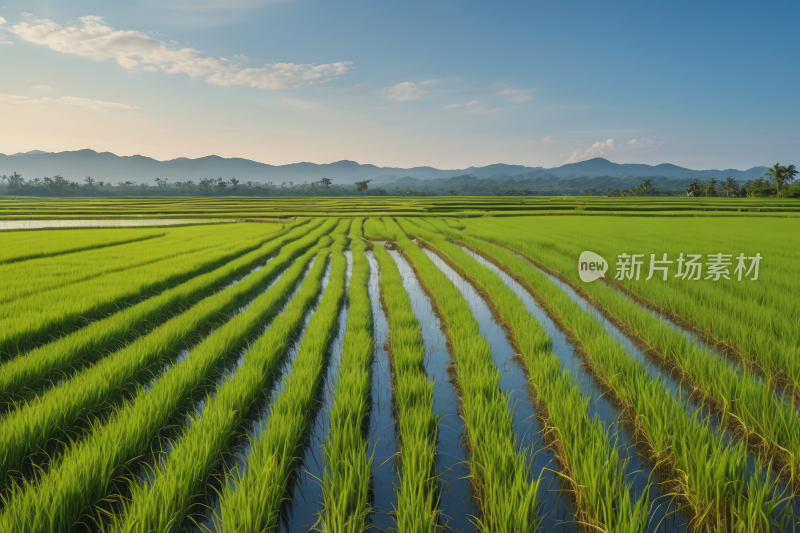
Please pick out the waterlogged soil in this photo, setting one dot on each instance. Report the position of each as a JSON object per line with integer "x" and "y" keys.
{"x": 558, "y": 512}
{"x": 663, "y": 516}
{"x": 241, "y": 448}
{"x": 456, "y": 502}
{"x": 307, "y": 498}
{"x": 382, "y": 435}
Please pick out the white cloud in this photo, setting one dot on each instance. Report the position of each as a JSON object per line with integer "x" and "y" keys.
{"x": 551, "y": 138}
{"x": 42, "y": 88}
{"x": 607, "y": 147}
{"x": 3, "y": 21}
{"x": 516, "y": 96}
{"x": 408, "y": 90}
{"x": 465, "y": 104}
{"x": 64, "y": 101}
{"x": 136, "y": 50}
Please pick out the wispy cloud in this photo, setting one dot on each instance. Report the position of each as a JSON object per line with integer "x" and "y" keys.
{"x": 516, "y": 96}
{"x": 3, "y": 21}
{"x": 407, "y": 90}
{"x": 551, "y": 139}
{"x": 64, "y": 101}
{"x": 136, "y": 50}
{"x": 465, "y": 104}
{"x": 609, "y": 146}
{"x": 302, "y": 104}
{"x": 42, "y": 88}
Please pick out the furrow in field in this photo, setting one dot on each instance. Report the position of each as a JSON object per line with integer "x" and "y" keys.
{"x": 456, "y": 498}
{"x": 734, "y": 495}
{"x": 382, "y": 433}
{"x": 28, "y": 374}
{"x": 743, "y": 401}
{"x": 87, "y": 470}
{"x": 253, "y": 498}
{"x": 92, "y": 392}
{"x": 307, "y": 499}
{"x": 162, "y": 504}
{"x": 501, "y": 474}
{"x": 417, "y": 490}
{"x": 346, "y": 478}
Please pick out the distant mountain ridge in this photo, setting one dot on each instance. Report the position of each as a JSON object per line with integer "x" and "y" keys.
{"x": 106, "y": 166}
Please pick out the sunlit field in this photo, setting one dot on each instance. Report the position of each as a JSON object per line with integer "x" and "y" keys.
{"x": 411, "y": 365}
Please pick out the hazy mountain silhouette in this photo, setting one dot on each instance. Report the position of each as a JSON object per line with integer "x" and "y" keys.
{"x": 106, "y": 166}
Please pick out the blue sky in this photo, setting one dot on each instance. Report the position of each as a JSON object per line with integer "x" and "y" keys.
{"x": 446, "y": 84}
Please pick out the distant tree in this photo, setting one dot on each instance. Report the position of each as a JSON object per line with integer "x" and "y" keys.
{"x": 711, "y": 188}
{"x": 234, "y": 183}
{"x": 362, "y": 185}
{"x": 694, "y": 188}
{"x": 325, "y": 182}
{"x": 15, "y": 181}
{"x": 206, "y": 184}
{"x": 731, "y": 187}
{"x": 790, "y": 173}
{"x": 89, "y": 181}
{"x": 777, "y": 175}
{"x": 162, "y": 183}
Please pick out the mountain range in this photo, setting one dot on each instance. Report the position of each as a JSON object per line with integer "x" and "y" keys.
{"x": 105, "y": 166}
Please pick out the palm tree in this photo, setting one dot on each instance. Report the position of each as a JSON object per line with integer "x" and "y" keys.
{"x": 730, "y": 187}
{"x": 790, "y": 173}
{"x": 776, "y": 174}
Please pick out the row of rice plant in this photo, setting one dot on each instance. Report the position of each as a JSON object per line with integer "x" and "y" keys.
{"x": 501, "y": 474}
{"x": 417, "y": 425}
{"x": 722, "y": 492}
{"x": 345, "y": 483}
{"x": 752, "y": 321}
{"x": 588, "y": 458}
{"x": 48, "y": 273}
{"x": 85, "y": 473}
{"x": 38, "y": 317}
{"x": 161, "y": 505}
{"x": 769, "y": 424}
{"x": 251, "y": 501}
{"x": 25, "y": 245}
{"x": 92, "y": 392}
{"x": 24, "y": 375}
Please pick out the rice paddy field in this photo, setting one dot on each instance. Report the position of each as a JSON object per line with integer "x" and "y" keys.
{"x": 366, "y": 364}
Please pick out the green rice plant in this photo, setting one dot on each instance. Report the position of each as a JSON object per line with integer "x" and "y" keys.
{"x": 22, "y": 376}
{"x": 768, "y": 423}
{"x": 22, "y": 246}
{"x": 86, "y": 471}
{"x": 251, "y": 501}
{"x": 35, "y": 319}
{"x": 375, "y": 229}
{"x": 345, "y": 483}
{"x": 92, "y": 392}
{"x": 588, "y": 457}
{"x": 752, "y": 322}
{"x": 162, "y": 504}
{"x": 418, "y": 489}
{"x": 710, "y": 475}
{"x": 501, "y": 475}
